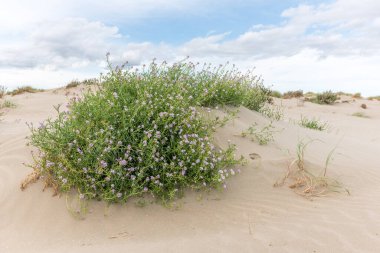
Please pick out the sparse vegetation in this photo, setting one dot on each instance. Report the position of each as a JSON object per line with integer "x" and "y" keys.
{"x": 360, "y": 115}
{"x": 312, "y": 123}
{"x": 75, "y": 83}
{"x": 274, "y": 112}
{"x": 72, "y": 84}
{"x": 263, "y": 136}
{"x": 7, "y": 104}
{"x": 293, "y": 94}
{"x": 325, "y": 98}
{"x": 304, "y": 182}
{"x": 310, "y": 94}
{"x": 142, "y": 133}
{"x": 374, "y": 98}
{"x": 90, "y": 81}
{"x": 276, "y": 94}
{"x": 357, "y": 95}
{"x": 24, "y": 89}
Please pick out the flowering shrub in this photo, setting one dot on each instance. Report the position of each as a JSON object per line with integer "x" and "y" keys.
{"x": 140, "y": 132}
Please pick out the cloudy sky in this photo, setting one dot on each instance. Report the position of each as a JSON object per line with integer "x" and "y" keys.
{"x": 310, "y": 45}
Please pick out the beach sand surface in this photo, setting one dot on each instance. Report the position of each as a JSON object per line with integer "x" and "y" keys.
{"x": 251, "y": 215}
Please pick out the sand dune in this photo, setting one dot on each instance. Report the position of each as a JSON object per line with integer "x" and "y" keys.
{"x": 250, "y": 216}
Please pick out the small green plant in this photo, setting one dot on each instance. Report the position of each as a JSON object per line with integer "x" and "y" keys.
{"x": 293, "y": 94}
{"x": 263, "y": 136}
{"x": 221, "y": 122}
{"x": 7, "y": 104}
{"x": 3, "y": 91}
{"x": 274, "y": 112}
{"x": 325, "y": 98}
{"x": 24, "y": 89}
{"x": 312, "y": 123}
{"x": 360, "y": 115}
{"x": 357, "y": 95}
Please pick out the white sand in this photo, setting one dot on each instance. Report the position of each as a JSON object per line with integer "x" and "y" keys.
{"x": 251, "y": 216}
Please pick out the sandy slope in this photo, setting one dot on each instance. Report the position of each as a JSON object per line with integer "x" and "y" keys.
{"x": 251, "y": 216}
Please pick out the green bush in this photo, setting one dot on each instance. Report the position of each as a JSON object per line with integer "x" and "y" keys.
{"x": 327, "y": 98}
{"x": 141, "y": 132}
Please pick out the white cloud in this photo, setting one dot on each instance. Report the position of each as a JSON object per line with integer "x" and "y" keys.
{"x": 307, "y": 71}
{"x": 69, "y": 42}
{"x": 342, "y": 28}
{"x": 326, "y": 46}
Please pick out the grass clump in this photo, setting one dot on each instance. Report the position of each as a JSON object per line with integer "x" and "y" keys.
{"x": 90, "y": 81}
{"x": 75, "y": 83}
{"x": 24, "y": 89}
{"x": 141, "y": 132}
{"x": 263, "y": 136}
{"x": 293, "y": 94}
{"x": 305, "y": 181}
{"x": 72, "y": 84}
{"x": 312, "y": 123}
{"x": 325, "y": 98}
{"x": 7, "y": 104}
{"x": 273, "y": 112}
{"x": 360, "y": 115}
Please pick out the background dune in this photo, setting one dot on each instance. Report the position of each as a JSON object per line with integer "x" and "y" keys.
{"x": 250, "y": 216}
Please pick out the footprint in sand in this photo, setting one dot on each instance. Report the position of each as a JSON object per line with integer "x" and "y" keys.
{"x": 254, "y": 156}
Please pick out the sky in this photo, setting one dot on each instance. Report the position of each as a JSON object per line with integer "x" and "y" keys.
{"x": 310, "y": 45}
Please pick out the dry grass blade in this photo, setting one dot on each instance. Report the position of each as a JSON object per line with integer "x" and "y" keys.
{"x": 24, "y": 89}
{"x": 304, "y": 183}
{"x": 31, "y": 178}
